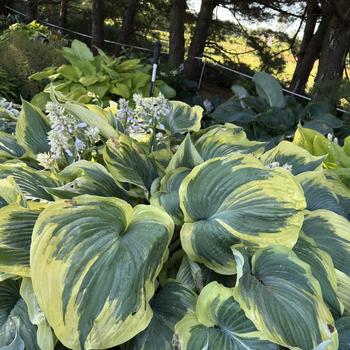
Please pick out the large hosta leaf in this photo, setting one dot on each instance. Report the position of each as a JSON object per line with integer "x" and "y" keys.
{"x": 84, "y": 177}
{"x": 224, "y": 140}
{"x": 16, "y": 330}
{"x": 31, "y": 130}
{"x": 183, "y": 118}
{"x": 323, "y": 270}
{"x": 10, "y": 192}
{"x": 169, "y": 305}
{"x": 218, "y": 323}
{"x": 233, "y": 199}
{"x": 319, "y": 194}
{"x": 298, "y": 158}
{"x": 94, "y": 263}
{"x": 283, "y": 299}
{"x": 31, "y": 182}
{"x": 128, "y": 162}
{"x": 16, "y": 227}
{"x": 331, "y": 233}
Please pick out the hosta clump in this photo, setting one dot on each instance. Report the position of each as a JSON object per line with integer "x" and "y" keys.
{"x": 217, "y": 245}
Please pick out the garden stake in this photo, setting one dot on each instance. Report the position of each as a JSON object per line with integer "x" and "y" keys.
{"x": 156, "y": 57}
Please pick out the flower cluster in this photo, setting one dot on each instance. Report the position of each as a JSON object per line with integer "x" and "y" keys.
{"x": 145, "y": 118}
{"x": 68, "y": 136}
{"x": 274, "y": 165}
{"x": 8, "y": 124}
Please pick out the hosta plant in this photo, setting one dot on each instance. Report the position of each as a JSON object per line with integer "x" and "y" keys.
{"x": 271, "y": 114}
{"x": 196, "y": 239}
{"x": 87, "y": 78}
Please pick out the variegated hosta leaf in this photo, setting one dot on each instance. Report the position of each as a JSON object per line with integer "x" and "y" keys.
{"x": 331, "y": 233}
{"x": 322, "y": 268}
{"x": 94, "y": 262}
{"x": 233, "y": 199}
{"x": 168, "y": 195}
{"x": 343, "y": 328}
{"x": 31, "y": 131}
{"x": 45, "y": 336}
{"x": 224, "y": 140}
{"x": 318, "y": 193}
{"x": 10, "y": 192}
{"x": 283, "y": 299}
{"x": 169, "y": 305}
{"x": 218, "y": 323}
{"x": 183, "y": 118}
{"x": 9, "y": 148}
{"x": 16, "y": 330}
{"x": 196, "y": 276}
{"x": 288, "y": 153}
{"x": 84, "y": 177}
{"x": 31, "y": 182}
{"x": 16, "y": 227}
{"x": 186, "y": 156}
{"x": 128, "y": 162}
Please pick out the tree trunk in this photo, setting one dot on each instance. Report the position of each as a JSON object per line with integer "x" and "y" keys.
{"x": 308, "y": 58}
{"x": 97, "y": 30}
{"x": 335, "y": 48}
{"x": 193, "y": 66}
{"x": 312, "y": 14}
{"x": 63, "y": 13}
{"x": 32, "y": 11}
{"x": 177, "y": 32}
{"x": 2, "y": 7}
{"x": 128, "y": 24}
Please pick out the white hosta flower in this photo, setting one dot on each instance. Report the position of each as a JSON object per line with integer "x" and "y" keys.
{"x": 332, "y": 138}
{"x": 10, "y": 107}
{"x": 274, "y": 165}
{"x": 45, "y": 160}
{"x": 125, "y": 112}
{"x": 208, "y": 105}
{"x": 68, "y": 135}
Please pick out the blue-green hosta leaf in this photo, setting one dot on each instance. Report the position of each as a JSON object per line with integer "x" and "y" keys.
{"x": 31, "y": 130}
{"x": 84, "y": 177}
{"x": 45, "y": 336}
{"x": 323, "y": 270}
{"x": 319, "y": 194}
{"x": 233, "y": 199}
{"x": 218, "y": 323}
{"x": 169, "y": 305}
{"x": 31, "y": 182}
{"x": 183, "y": 118}
{"x": 16, "y": 330}
{"x": 10, "y": 192}
{"x": 330, "y": 232}
{"x": 9, "y": 148}
{"x": 233, "y": 111}
{"x": 279, "y": 294}
{"x": 288, "y": 153}
{"x": 269, "y": 89}
{"x": 186, "y": 156}
{"x": 16, "y": 227}
{"x": 224, "y": 140}
{"x": 168, "y": 195}
{"x": 343, "y": 327}
{"x": 128, "y": 162}
{"x": 94, "y": 262}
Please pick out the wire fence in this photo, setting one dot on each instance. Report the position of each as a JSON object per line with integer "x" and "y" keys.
{"x": 205, "y": 60}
